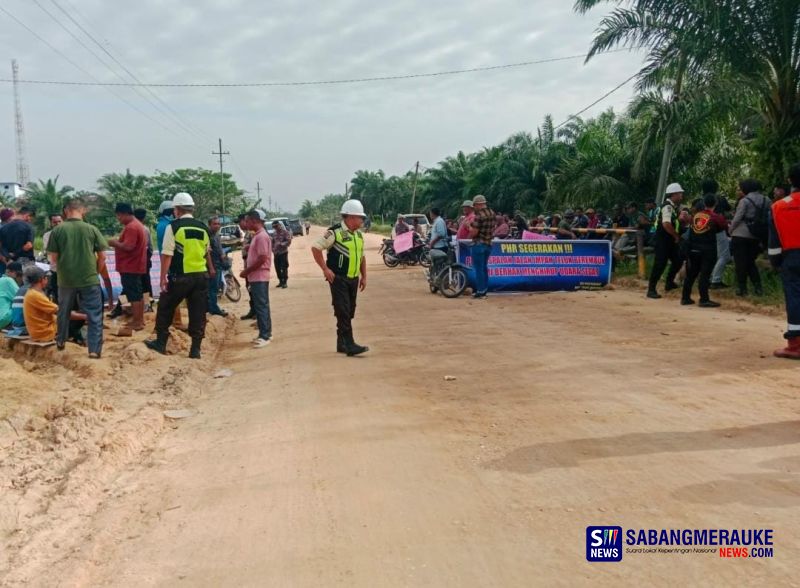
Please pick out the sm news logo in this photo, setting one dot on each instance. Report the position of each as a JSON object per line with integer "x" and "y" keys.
{"x": 604, "y": 543}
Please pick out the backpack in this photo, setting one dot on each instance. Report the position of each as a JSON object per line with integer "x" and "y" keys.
{"x": 759, "y": 224}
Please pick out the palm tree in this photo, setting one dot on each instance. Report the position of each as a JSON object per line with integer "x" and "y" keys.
{"x": 753, "y": 43}
{"x": 47, "y": 199}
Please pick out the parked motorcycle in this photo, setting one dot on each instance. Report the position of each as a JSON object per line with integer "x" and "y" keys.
{"x": 418, "y": 254}
{"x": 448, "y": 276}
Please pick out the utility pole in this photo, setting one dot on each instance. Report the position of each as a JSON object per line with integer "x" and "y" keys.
{"x": 22, "y": 162}
{"x": 414, "y": 193}
{"x": 221, "y": 172}
{"x": 258, "y": 191}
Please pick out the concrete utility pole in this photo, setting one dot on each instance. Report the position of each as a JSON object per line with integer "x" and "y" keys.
{"x": 221, "y": 172}
{"x": 258, "y": 191}
{"x": 414, "y": 193}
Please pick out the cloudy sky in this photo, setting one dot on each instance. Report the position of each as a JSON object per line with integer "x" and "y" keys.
{"x": 299, "y": 142}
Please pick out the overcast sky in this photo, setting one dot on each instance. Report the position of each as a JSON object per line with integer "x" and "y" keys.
{"x": 299, "y": 142}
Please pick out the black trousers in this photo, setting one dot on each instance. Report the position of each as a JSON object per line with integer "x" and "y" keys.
{"x": 344, "y": 292}
{"x": 194, "y": 289}
{"x": 699, "y": 264}
{"x": 745, "y": 253}
{"x": 282, "y": 267}
{"x": 666, "y": 251}
{"x": 52, "y": 286}
{"x": 790, "y": 274}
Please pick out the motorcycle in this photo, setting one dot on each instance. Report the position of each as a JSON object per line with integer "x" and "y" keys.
{"x": 229, "y": 285}
{"x": 448, "y": 276}
{"x": 418, "y": 254}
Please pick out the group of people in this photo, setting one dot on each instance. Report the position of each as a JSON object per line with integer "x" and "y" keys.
{"x": 52, "y": 303}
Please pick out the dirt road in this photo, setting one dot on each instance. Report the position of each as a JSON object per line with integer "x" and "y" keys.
{"x": 307, "y": 468}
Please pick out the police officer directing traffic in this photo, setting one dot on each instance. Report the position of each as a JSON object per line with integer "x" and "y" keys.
{"x": 666, "y": 242}
{"x": 185, "y": 270}
{"x": 345, "y": 270}
{"x": 784, "y": 253}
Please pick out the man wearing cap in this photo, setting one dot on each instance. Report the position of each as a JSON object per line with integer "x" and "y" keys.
{"x": 466, "y": 220}
{"x": 345, "y": 270}
{"x": 257, "y": 275}
{"x": 666, "y": 242}
{"x": 186, "y": 267}
{"x": 166, "y": 214}
{"x": 482, "y": 233}
{"x": 131, "y": 261}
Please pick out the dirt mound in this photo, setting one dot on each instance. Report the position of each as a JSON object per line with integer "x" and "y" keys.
{"x": 68, "y": 423}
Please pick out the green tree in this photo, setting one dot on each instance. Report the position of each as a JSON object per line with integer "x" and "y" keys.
{"x": 753, "y": 44}
{"x": 204, "y": 186}
{"x": 47, "y": 198}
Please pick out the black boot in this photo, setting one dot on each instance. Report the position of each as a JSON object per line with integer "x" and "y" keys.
{"x": 341, "y": 347}
{"x": 249, "y": 316}
{"x": 194, "y": 352}
{"x": 352, "y": 348}
{"x": 158, "y": 344}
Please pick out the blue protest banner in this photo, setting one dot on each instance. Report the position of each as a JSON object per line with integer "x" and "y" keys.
{"x": 543, "y": 266}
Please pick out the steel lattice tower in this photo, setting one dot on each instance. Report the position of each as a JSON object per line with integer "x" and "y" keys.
{"x": 22, "y": 162}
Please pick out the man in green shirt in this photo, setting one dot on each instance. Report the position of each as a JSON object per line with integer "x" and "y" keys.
{"x": 79, "y": 250}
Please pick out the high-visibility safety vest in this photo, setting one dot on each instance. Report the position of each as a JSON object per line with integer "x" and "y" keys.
{"x": 658, "y": 222}
{"x": 344, "y": 257}
{"x": 192, "y": 240}
{"x": 786, "y": 218}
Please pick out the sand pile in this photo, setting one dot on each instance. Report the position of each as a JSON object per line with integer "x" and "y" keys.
{"x": 68, "y": 423}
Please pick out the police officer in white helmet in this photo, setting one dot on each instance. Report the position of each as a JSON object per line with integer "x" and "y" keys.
{"x": 345, "y": 270}
{"x": 186, "y": 267}
{"x": 666, "y": 241}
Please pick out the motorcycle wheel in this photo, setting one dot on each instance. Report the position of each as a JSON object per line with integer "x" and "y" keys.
{"x": 425, "y": 259}
{"x": 434, "y": 288}
{"x": 233, "y": 291}
{"x": 453, "y": 282}
{"x": 390, "y": 260}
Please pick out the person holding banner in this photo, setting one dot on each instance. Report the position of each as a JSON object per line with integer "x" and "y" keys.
{"x": 482, "y": 233}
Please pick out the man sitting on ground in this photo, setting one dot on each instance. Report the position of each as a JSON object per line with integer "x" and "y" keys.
{"x": 39, "y": 311}
{"x": 17, "y": 318}
{"x": 9, "y": 284}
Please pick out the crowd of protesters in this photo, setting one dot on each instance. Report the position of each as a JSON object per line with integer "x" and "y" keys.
{"x": 59, "y": 296}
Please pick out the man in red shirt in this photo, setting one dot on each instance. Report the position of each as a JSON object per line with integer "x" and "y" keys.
{"x": 131, "y": 261}
{"x": 466, "y": 221}
{"x": 257, "y": 274}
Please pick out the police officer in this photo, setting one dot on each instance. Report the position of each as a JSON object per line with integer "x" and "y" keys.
{"x": 345, "y": 270}
{"x": 666, "y": 242}
{"x": 185, "y": 270}
{"x": 784, "y": 253}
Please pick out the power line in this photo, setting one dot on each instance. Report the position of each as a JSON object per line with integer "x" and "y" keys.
{"x": 81, "y": 68}
{"x": 101, "y": 60}
{"x": 319, "y": 82}
{"x": 598, "y": 101}
{"x": 176, "y": 116}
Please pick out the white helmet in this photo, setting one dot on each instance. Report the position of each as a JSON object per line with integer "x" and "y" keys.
{"x": 183, "y": 199}
{"x": 353, "y": 208}
{"x": 674, "y": 189}
{"x": 166, "y": 205}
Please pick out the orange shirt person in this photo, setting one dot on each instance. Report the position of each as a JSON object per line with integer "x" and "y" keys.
{"x": 39, "y": 311}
